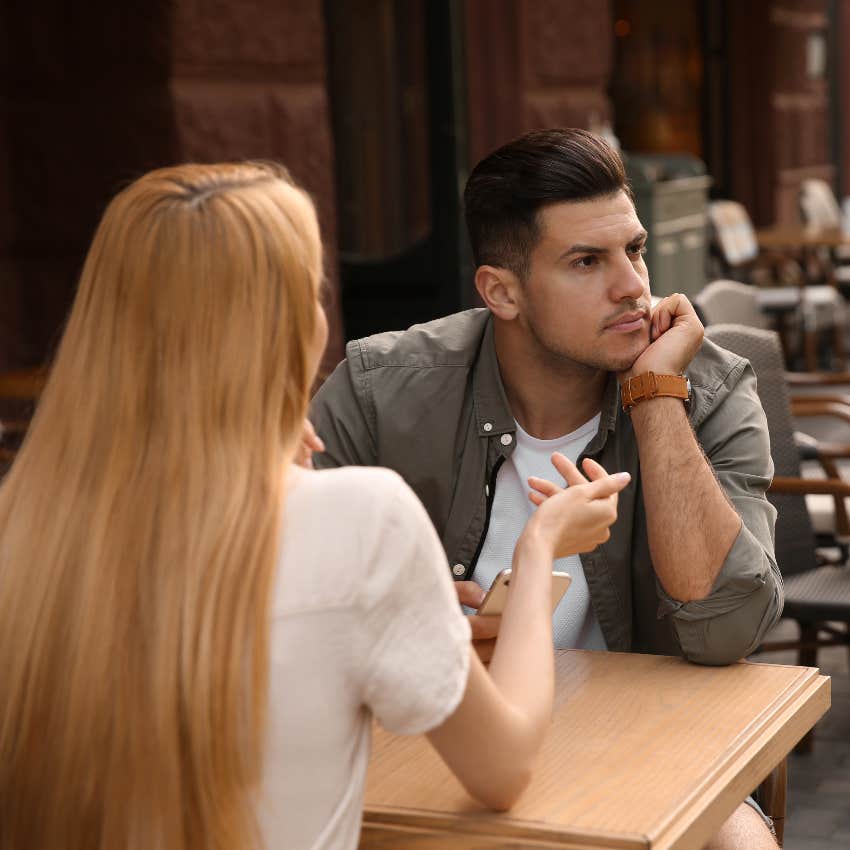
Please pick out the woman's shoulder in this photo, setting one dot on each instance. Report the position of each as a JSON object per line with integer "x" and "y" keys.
{"x": 358, "y": 489}
{"x": 345, "y": 527}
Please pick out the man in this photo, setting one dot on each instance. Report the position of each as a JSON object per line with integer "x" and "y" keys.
{"x": 469, "y": 408}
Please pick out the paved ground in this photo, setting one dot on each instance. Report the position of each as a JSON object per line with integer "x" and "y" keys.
{"x": 818, "y": 816}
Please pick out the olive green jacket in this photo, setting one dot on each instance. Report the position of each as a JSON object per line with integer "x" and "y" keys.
{"x": 429, "y": 403}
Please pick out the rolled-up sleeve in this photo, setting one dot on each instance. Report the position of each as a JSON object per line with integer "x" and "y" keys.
{"x": 746, "y": 599}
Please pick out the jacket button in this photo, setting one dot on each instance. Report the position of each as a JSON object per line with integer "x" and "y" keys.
{"x": 459, "y": 569}
{"x": 488, "y": 426}
{"x": 507, "y": 439}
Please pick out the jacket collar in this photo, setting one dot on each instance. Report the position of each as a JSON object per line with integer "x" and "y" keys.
{"x": 492, "y": 411}
{"x": 608, "y": 418}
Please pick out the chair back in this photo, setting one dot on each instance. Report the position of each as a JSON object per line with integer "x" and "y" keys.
{"x": 818, "y": 205}
{"x": 732, "y": 232}
{"x": 730, "y": 301}
{"x": 795, "y": 538}
{"x": 19, "y": 393}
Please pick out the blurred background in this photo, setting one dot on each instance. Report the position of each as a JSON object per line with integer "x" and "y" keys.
{"x": 380, "y": 107}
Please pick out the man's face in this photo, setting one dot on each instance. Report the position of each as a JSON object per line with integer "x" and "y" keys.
{"x": 586, "y": 298}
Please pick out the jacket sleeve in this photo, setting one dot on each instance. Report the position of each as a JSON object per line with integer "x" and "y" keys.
{"x": 747, "y": 597}
{"x": 343, "y": 415}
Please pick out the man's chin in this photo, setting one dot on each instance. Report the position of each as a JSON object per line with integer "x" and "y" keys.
{"x": 624, "y": 363}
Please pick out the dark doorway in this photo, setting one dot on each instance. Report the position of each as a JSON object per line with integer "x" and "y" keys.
{"x": 670, "y": 83}
{"x": 399, "y": 123}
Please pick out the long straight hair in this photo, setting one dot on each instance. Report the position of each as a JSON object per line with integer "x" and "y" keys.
{"x": 139, "y": 524}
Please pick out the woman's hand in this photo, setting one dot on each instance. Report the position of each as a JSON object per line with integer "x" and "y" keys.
{"x": 577, "y": 518}
{"x": 310, "y": 442}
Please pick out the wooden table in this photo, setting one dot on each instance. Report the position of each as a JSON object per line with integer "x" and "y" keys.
{"x": 644, "y": 752}
{"x": 22, "y": 383}
{"x": 805, "y": 241}
{"x": 801, "y": 237}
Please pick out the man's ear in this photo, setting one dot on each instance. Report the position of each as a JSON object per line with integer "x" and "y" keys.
{"x": 498, "y": 289}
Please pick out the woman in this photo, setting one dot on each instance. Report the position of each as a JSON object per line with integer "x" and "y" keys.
{"x": 194, "y": 633}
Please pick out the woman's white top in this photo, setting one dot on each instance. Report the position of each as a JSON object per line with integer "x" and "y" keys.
{"x": 365, "y": 622}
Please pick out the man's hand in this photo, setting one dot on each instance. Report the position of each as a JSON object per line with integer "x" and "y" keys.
{"x": 484, "y": 629}
{"x": 310, "y": 442}
{"x": 675, "y": 336}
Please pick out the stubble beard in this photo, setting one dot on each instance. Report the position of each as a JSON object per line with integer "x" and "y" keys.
{"x": 563, "y": 358}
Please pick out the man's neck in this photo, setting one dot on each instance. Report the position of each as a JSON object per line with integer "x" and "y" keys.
{"x": 549, "y": 396}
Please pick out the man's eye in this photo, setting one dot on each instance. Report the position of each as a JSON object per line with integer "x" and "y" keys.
{"x": 585, "y": 262}
{"x": 636, "y": 250}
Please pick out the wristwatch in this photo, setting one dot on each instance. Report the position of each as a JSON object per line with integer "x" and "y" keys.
{"x": 649, "y": 385}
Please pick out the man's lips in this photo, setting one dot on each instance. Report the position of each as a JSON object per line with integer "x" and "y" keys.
{"x": 627, "y": 322}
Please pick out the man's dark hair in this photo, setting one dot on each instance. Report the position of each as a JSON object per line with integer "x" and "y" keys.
{"x": 507, "y": 189}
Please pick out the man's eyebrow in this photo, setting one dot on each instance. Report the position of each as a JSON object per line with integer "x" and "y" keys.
{"x": 580, "y": 248}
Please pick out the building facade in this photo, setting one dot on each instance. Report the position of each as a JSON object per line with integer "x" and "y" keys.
{"x": 379, "y": 107}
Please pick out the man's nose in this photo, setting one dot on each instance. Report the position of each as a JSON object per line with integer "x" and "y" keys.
{"x": 628, "y": 282}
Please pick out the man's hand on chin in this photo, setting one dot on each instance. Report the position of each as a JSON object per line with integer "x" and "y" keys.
{"x": 675, "y": 336}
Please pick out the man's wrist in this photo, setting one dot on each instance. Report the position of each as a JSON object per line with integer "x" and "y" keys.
{"x": 649, "y": 385}
{"x": 660, "y": 408}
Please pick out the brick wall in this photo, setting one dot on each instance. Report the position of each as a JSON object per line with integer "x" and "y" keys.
{"x": 535, "y": 63}
{"x": 95, "y": 94}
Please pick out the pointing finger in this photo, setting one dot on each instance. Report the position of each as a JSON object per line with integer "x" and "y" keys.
{"x": 592, "y": 469}
{"x": 568, "y": 469}
{"x": 547, "y": 488}
{"x": 602, "y": 488}
{"x": 310, "y": 438}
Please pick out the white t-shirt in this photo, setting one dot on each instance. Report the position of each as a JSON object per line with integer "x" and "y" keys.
{"x": 365, "y": 622}
{"x": 574, "y": 625}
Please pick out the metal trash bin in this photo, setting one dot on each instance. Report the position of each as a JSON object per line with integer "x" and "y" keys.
{"x": 671, "y": 198}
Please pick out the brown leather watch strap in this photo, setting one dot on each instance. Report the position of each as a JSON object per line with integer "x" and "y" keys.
{"x": 649, "y": 385}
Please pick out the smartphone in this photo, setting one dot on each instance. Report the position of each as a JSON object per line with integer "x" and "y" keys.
{"x": 494, "y": 601}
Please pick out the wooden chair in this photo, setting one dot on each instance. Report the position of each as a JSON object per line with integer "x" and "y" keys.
{"x": 819, "y": 208}
{"x": 735, "y": 248}
{"x": 771, "y": 795}
{"x": 19, "y": 393}
{"x": 817, "y": 588}
{"x": 734, "y": 245}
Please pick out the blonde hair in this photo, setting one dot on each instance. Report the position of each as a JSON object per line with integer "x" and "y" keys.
{"x": 139, "y": 524}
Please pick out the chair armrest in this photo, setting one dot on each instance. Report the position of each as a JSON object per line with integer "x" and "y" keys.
{"x": 832, "y": 451}
{"x": 17, "y": 427}
{"x": 22, "y": 383}
{"x": 836, "y": 488}
{"x": 824, "y": 398}
{"x": 804, "y": 486}
{"x": 817, "y": 379}
{"x": 813, "y": 407}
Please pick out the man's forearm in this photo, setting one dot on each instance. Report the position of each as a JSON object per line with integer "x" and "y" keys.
{"x": 690, "y": 522}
